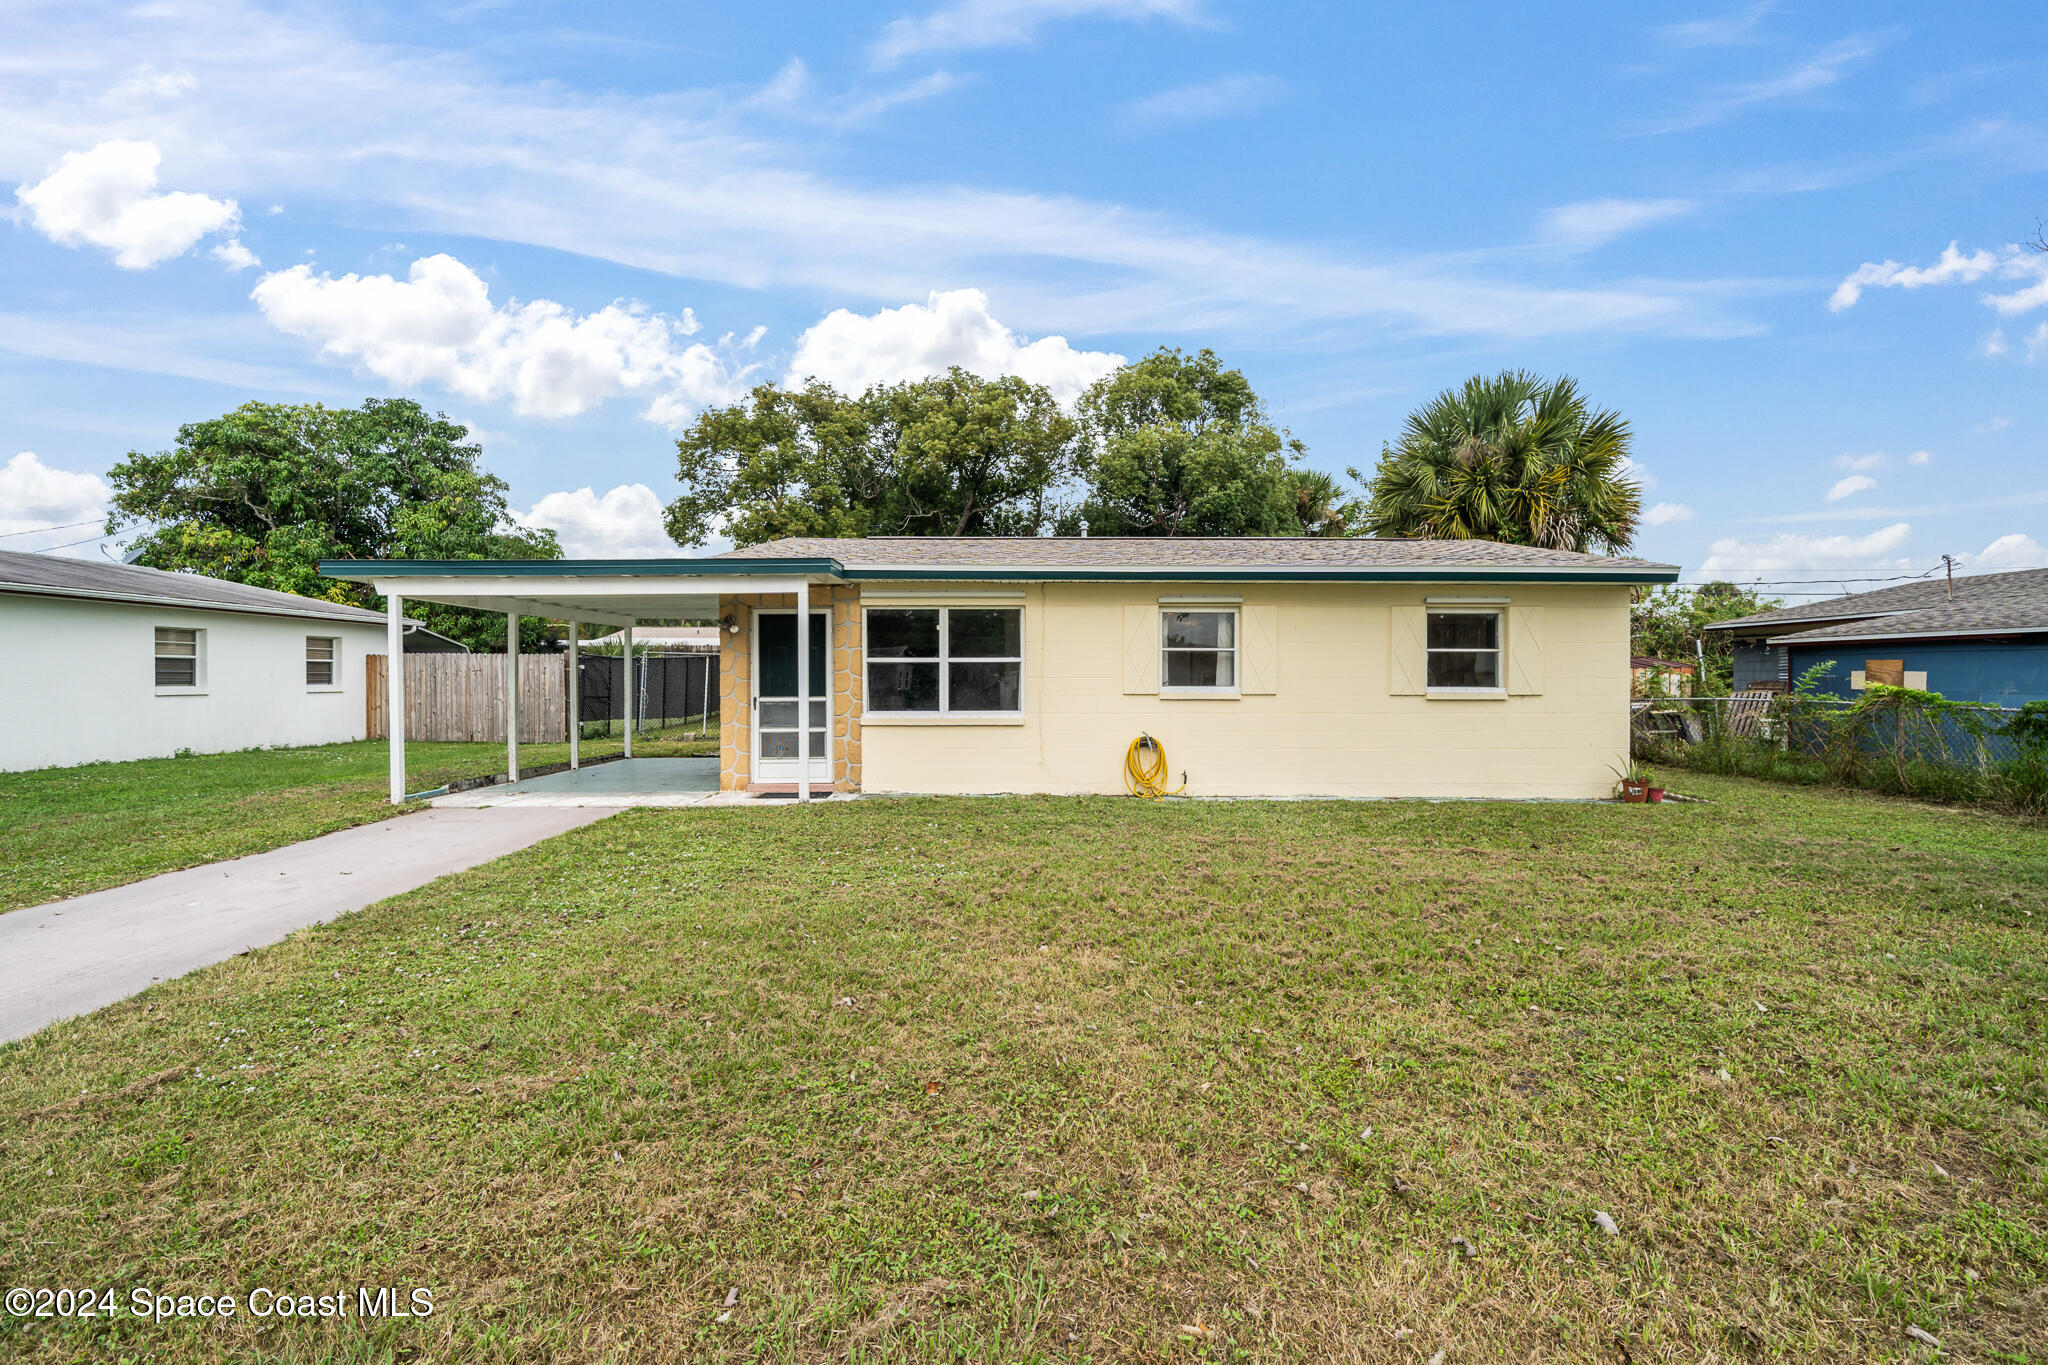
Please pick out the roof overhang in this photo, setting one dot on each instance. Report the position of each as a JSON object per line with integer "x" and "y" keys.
{"x": 136, "y": 599}
{"x": 623, "y": 591}
{"x": 1874, "y": 637}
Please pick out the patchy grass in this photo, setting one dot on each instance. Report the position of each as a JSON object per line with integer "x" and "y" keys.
{"x": 1062, "y": 1080}
{"x": 65, "y": 831}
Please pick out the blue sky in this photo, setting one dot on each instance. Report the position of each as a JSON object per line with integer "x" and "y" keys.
{"x": 1785, "y": 241}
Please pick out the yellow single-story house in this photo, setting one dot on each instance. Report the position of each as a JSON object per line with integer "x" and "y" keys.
{"x": 1274, "y": 666}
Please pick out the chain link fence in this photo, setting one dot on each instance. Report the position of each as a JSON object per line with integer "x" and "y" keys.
{"x": 1892, "y": 739}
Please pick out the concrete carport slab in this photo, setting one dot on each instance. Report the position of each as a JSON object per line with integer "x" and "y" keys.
{"x": 73, "y": 956}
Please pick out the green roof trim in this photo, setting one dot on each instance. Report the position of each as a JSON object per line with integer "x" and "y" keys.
{"x": 577, "y": 568}
{"x": 753, "y": 567}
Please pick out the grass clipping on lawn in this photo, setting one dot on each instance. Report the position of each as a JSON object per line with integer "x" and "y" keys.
{"x": 1063, "y": 1080}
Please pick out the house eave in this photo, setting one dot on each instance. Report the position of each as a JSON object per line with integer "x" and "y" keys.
{"x": 184, "y": 604}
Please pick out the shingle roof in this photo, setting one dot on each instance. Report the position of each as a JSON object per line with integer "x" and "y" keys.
{"x": 49, "y": 574}
{"x": 1983, "y": 604}
{"x": 1189, "y": 552}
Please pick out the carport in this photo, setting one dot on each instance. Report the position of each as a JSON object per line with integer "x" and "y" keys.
{"x": 613, "y": 592}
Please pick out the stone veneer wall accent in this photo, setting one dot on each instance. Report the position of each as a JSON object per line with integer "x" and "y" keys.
{"x": 736, "y": 683}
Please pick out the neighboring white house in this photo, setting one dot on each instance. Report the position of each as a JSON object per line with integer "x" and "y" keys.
{"x": 106, "y": 661}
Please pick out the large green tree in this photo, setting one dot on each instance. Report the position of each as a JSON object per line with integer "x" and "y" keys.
{"x": 952, "y": 455}
{"x": 1510, "y": 457}
{"x": 264, "y": 493}
{"x": 1670, "y": 622}
{"x": 1178, "y": 445}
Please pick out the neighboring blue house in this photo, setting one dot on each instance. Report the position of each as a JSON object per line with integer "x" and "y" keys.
{"x": 1985, "y": 639}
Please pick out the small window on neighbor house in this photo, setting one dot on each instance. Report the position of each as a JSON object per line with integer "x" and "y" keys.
{"x": 967, "y": 660}
{"x": 1464, "y": 650}
{"x": 1198, "y": 649}
{"x": 177, "y": 657}
{"x": 320, "y": 660}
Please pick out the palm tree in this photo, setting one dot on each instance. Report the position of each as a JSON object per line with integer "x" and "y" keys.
{"x": 1320, "y": 505}
{"x": 1513, "y": 458}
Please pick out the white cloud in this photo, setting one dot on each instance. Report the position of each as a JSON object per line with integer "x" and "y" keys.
{"x": 1994, "y": 344}
{"x": 1918, "y": 457}
{"x": 2037, "y": 343}
{"x": 1638, "y": 474}
{"x": 1992, "y": 424}
{"x": 852, "y": 351}
{"x": 1791, "y": 551}
{"x": 439, "y": 326}
{"x": 1199, "y": 103}
{"x": 2015, "y": 551}
{"x": 1952, "y": 268}
{"x": 291, "y": 106}
{"x": 1824, "y": 69}
{"x": 235, "y": 256}
{"x": 1859, "y": 461}
{"x": 966, "y": 24}
{"x": 1855, "y": 483}
{"x": 1665, "y": 513}
{"x": 1596, "y": 222}
{"x": 33, "y": 496}
{"x": 107, "y": 197}
{"x": 623, "y": 523}
{"x": 1725, "y": 31}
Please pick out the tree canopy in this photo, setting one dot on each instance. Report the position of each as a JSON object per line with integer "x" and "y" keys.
{"x": 956, "y": 454}
{"x": 1511, "y": 457}
{"x": 1178, "y": 445}
{"x": 1670, "y": 622}
{"x": 262, "y": 494}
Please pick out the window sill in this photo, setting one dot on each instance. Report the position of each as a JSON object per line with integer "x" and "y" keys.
{"x": 325, "y": 687}
{"x": 1199, "y": 694}
{"x": 1467, "y": 694}
{"x": 885, "y": 718}
{"x": 181, "y": 691}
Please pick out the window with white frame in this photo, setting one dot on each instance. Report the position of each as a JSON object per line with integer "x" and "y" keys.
{"x": 1464, "y": 651}
{"x": 1198, "y": 650}
{"x": 179, "y": 656}
{"x": 320, "y": 651}
{"x": 945, "y": 660}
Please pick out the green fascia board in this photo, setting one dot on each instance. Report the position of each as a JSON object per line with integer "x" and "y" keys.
{"x": 577, "y": 568}
{"x": 782, "y": 568}
{"x": 1624, "y": 577}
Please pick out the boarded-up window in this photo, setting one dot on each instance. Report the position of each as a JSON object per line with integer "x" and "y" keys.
{"x": 1888, "y": 672}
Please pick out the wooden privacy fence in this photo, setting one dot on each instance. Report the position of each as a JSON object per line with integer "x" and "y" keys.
{"x": 462, "y": 697}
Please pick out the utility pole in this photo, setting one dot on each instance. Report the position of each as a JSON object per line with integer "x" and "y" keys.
{"x": 1949, "y": 562}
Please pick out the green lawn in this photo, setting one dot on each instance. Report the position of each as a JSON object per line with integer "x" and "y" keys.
{"x": 64, "y": 831}
{"x": 1064, "y": 1080}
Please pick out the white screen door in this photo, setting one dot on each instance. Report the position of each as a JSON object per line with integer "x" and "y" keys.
{"x": 775, "y": 700}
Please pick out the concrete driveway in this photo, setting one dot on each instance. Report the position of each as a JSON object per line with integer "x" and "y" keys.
{"x": 73, "y": 956}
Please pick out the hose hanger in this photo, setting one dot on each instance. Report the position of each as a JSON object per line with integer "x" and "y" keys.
{"x": 1145, "y": 770}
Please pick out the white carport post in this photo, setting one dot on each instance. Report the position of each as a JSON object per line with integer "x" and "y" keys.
{"x": 394, "y": 692}
{"x": 575, "y": 697}
{"x": 512, "y": 696}
{"x": 626, "y": 636}
{"x": 803, "y": 689}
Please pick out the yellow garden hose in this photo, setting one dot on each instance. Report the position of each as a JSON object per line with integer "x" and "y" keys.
{"x": 1145, "y": 769}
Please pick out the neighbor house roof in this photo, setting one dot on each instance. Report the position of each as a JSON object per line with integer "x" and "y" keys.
{"x": 97, "y": 580}
{"x": 1983, "y": 604}
{"x": 1197, "y": 556}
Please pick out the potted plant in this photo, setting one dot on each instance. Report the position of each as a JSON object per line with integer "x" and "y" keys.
{"x": 1632, "y": 788}
{"x": 1651, "y": 791}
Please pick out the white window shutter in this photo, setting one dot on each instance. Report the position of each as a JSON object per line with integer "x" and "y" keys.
{"x": 1407, "y": 651}
{"x": 1141, "y": 649}
{"x": 1258, "y": 653}
{"x": 1525, "y": 651}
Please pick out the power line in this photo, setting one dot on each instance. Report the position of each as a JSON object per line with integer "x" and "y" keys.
{"x": 39, "y": 530}
{"x": 69, "y": 543}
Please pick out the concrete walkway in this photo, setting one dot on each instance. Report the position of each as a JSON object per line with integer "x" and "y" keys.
{"x": 73, "y": 956}
{"x": 621, "y": 782}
